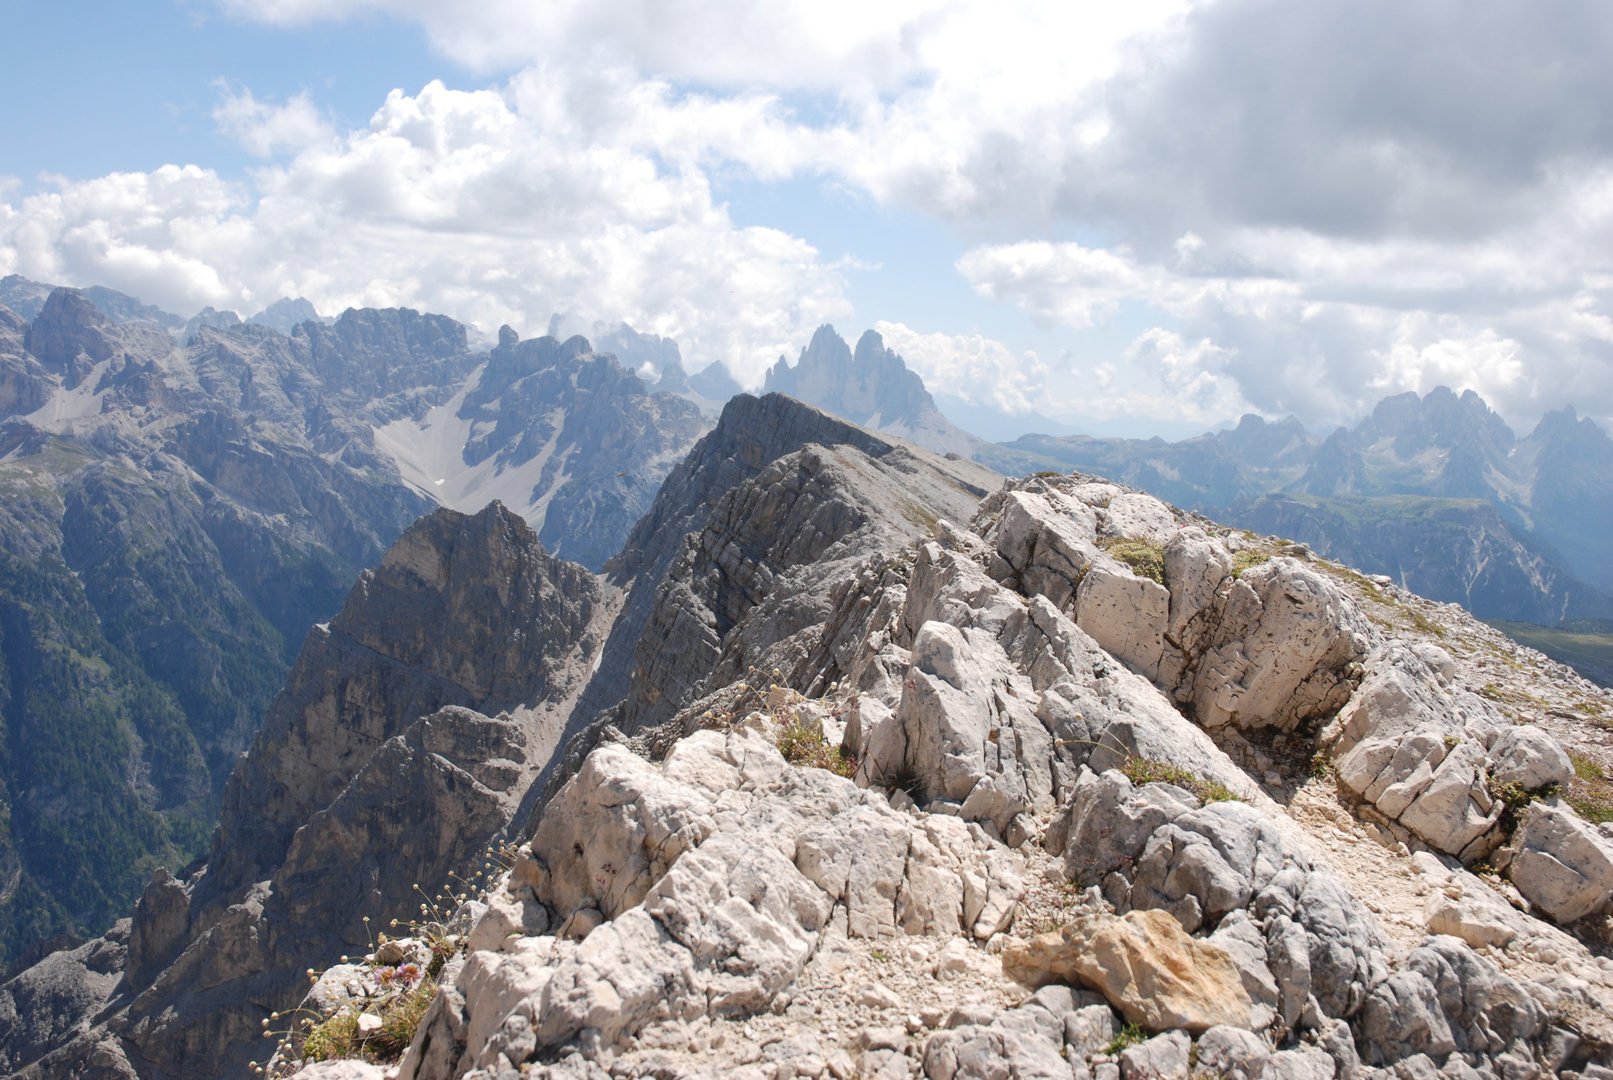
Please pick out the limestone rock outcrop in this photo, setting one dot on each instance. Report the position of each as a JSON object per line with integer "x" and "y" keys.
{"x": 713, "y": 876}
{"x": 1429, "y": 755}
{"x": 1562, "y": 864}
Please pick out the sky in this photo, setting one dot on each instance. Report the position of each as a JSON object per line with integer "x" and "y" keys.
{"x": 1133, "y": 219}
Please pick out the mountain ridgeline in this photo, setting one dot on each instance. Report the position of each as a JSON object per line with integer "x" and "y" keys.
{"x": 182, "y": 502}
{"x": 1436, "y": 492}
{"x": 185, "y": 499}
{"x": 863, "y": 760}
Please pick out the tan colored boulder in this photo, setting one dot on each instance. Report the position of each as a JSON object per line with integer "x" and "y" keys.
{"x": 1145, "y": 964}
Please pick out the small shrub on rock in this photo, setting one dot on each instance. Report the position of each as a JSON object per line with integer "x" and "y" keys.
{"x": 804, "y": 744}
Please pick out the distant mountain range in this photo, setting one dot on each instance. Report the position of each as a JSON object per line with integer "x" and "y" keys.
{"x": 871, "y": 387}
{"x": 1437, "y": 492}
{"x": 183, "y": 499}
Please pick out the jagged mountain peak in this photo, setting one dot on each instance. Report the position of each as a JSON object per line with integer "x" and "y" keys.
{"x": 871, "y": 386}
{"x": 287, "y": 313}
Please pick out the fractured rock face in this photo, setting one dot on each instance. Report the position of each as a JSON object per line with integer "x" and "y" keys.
{"x": 716, "y": 873}
{"x": 1270, "y": 648}
{"x": 1562, "y": 864}
{"x": 1428, "y": 756}
{"x": 1282, "y": 650}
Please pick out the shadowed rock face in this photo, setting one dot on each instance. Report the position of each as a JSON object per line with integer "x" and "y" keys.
{"x": 463, "y": 611}
{"x": 411, "y": 728}
{"x": 777, "y": 489}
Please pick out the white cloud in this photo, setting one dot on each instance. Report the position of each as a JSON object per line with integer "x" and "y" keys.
{"x": 488, "y": 206}
{"x": 977, "y": 369}
{"x": 263, "y": 128}
{"x": 1324, "y": 202}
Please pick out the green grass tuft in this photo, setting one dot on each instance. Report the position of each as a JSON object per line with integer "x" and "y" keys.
{"x": 1145, "y": 559}
{"x": 1142, "y": 771}
{"x": 1130, "y": 1035}
{"x": 1248, "y": 559}
{"x": 804, "y": 745}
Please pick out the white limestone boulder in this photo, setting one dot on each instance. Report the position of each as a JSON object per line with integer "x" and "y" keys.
{"x": 1286, "y": 648}
{"x": 1530, "y": 758}
{"x": 1125, "y": 614}
{"x": 1562, "y": 864}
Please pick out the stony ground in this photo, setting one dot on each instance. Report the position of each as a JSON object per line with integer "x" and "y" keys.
{"x": 866, "y": 1007}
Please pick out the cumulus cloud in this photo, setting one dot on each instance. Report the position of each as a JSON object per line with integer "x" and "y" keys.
{"x": 977, "y": 369}
{"x": 1324, "y": 202}
{"x": 491, "y": 206}
{"x": 263, "y": 128}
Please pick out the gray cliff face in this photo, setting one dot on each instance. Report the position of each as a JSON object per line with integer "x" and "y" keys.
{"x": 591, "y": 440}
{"x": 410, "y": 730}
{"x": 751, "y": 436}
{"x": 192, "y": 498}
{"x": 872, "y": 387}
{"x": 751, "y": 588}
{"x": 469, "y": 612}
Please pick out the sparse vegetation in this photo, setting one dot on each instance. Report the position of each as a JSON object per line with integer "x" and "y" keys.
{"x": 1130, "y": 1035}
{"x": 1425, "y": 624}
{"x": 804, "y": 744}
{"x": 333, "y": 1038}
{"x": 1248, "y": 559}
{"x": 1147, "y": 771}
{"x": 1145, "y": 559}
{"x": 1589, "y": 793}
{"x": 1321, "y": 765}
{"x": 1517, "y": 799}
{"x": 1594, "y": 804}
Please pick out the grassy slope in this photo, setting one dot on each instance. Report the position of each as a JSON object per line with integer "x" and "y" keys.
{"x": 1591, "y": 654}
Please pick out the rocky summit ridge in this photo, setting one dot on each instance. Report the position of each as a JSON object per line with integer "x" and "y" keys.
{"x": 861, "y": 761}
